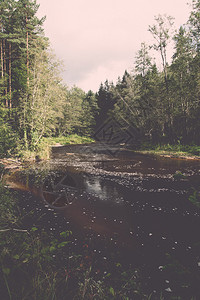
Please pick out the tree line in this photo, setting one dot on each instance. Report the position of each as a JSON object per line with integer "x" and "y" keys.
{"x": 34, "y": 102}
{"x": 163, "y": 105}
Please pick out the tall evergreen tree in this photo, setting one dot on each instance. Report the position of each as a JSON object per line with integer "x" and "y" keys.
{"x": 105, "y": 102}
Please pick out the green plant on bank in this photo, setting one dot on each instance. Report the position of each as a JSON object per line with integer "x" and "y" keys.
{"x": 168, "y": 149}
{"x": 9, "y": 139}
{"x": 67, "y": 140}
{"x": 43, "y": 149}
{"x": 194, "y": 198}
{"x": 32, "y": 268}
{"x": 7, "y": 207}
{"x": 29, "y": 264}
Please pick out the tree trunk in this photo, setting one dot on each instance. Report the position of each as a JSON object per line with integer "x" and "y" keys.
{"x": 2, "y": 73}
{"x": 10, "y": 76}
{"x": 25, "y": 128}
{"x": 27, "y": 63}
{"x": 1, "y": 49}
{"x": 5, "y": 80}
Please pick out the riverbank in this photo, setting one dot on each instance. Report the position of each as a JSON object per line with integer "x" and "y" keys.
{"x": 68, "y": 140}
{"x": 43, "y": 152}
{"x": 172, "y": 151}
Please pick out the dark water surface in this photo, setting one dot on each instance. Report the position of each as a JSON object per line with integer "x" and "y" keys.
{"x": 127, "y": 208}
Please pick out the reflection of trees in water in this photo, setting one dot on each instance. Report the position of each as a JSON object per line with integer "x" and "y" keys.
{"x": 61, "y": 189}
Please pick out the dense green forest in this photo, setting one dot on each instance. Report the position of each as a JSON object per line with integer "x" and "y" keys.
{"x": 34, "y": 101}
{"x": 162, "y": 105}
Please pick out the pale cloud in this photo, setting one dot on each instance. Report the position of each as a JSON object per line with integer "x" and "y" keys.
{"x": 111, "y": 71}
{"x": 97, "y": 40}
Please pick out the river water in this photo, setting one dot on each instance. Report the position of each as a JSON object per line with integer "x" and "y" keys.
{"x": 127, "y": 208}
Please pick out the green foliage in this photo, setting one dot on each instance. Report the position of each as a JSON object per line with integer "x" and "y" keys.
{"x": 174, "y": 150}
{"x": 143, "y": 60}
{"x": 89, "y": 113}
{"x": 34, "y": 101}
{"x": 179, "y": 175}
{"x": 79, "y": 112}
{"x": 43, "y": 149}
{"x": 7, "y": 207}
{"x": 105, "y": 101}
{"x": 162, "y": 105}
{"x": 112, "y": 291}
{"x": 69, "y": 139}
{"x": 8, "y": 138}
{"x": 41, "y": 106}
{"x": 194, "y": 198}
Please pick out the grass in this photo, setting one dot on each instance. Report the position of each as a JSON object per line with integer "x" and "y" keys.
{"x": 66, "y": 140}
{"x": 43, "y": 150}
{"x": 177, "y": 150}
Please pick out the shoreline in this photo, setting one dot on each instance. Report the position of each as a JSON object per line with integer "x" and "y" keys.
{"x": 170, "y": 154}
{"x": 13, "y": 163}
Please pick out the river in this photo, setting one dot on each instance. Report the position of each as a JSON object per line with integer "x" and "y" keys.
{"x": 126, "y": 207}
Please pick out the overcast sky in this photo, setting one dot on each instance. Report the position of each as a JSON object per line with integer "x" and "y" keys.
{"x": 98, "y": 39}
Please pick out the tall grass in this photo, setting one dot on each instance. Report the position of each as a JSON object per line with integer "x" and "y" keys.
{"x": 177, "y": 150}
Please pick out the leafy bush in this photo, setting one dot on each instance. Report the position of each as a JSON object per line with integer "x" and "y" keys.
{"x": 8, "y": 141}
{"x": 7, "y": 207}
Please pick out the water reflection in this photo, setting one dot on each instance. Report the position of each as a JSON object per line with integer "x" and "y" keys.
{"x": 103, "y": 190}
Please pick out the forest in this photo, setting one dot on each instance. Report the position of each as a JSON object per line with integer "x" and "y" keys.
{"x": 162, "y": 105}
{"x": 93, "y": 222}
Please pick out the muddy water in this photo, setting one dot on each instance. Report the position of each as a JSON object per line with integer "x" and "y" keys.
{"x": 127, "y": 207}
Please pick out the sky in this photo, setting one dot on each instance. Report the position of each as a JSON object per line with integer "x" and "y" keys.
{"x": 98, "y": 39}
